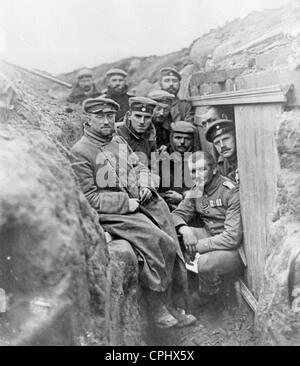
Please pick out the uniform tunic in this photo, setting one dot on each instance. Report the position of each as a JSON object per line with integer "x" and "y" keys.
{"x": 182, "y": 110}
{"x": 219, "y": 209}
{"x": 220, "y": 241}
{"x": 227, "y": 167}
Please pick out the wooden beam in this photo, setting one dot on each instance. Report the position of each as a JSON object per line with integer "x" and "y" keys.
{"x": 248, "y": 296}
{"x": 268, "y": 94}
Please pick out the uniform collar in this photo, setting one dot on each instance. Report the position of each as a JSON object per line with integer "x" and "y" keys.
{"x": 213, "y": 185}
{"x": 96, "y": 139}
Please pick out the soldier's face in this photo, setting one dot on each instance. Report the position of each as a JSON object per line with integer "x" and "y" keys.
{"x": 117, "y": 82}
{"x": 160, "y": 113}
{"x": 140, "y": 121}
{"x": 182, "y": 142}
{"x": 171, "y": 84}
{"x": 210, "y": 116}
{"x": 86, "y": 83}
{"x": 103, "y": 123}
{"x": 201, "y": 172}
{"x": 225, "y": 144}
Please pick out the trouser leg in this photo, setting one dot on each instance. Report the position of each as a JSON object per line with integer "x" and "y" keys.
{"x": 213, "y": 265}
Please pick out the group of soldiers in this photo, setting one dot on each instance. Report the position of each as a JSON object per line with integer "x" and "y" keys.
{"x": 158, "y": 184}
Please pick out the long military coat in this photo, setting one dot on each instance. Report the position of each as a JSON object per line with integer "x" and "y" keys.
{"x": 108, "y": 178}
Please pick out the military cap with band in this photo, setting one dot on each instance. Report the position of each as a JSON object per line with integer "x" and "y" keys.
{"x": 217, "y": 128}
{"x": 116, "y": 71}
{"x": 170, "y": 71}
{"x": 142, "y": 104}
{"x": 182, "y": 127}
{"x": 162, "y": 97}
{"x": 96, "y": 105}
{"x": 84, "y": 72}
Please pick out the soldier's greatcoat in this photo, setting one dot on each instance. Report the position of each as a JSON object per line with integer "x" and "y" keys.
{"x": 108, "y": 179}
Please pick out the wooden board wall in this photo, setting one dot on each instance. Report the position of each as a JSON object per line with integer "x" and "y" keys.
{"x": 258, "y": 167}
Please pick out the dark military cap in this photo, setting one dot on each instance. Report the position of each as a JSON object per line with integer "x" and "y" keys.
{"x": 84, "y": 72}
{"x": 116, "y": 72}
{"x": 182, "y": 127}
{"x": 170, "y": 71}
{"x": 217, "y": 128}
{"x": 162, "y": 97}
{"x": 141, "y": 104}
{"x": 96, "y": 105}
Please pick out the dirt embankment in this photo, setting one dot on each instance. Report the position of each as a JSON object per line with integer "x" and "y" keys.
{"x": 63, "y": 284}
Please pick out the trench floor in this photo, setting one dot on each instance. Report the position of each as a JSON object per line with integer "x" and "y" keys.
{"x": 219, "y": 323}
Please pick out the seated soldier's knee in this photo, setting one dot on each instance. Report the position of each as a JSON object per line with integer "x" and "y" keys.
{"x": 206, "y": 263}
{"x": 123, "y": 250}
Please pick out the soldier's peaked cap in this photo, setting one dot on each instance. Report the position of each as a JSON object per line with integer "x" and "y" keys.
{"x": 161, "y": 96}
{"x": 96, "y": 105}
{"x": 84, "y": 72}
{"x": 116, "y": 71}
{"x": 217, "y": 128}
{"x": 142, "y": 104}
{"x": 170, "y": 71}
{"x": 182, "y": 127}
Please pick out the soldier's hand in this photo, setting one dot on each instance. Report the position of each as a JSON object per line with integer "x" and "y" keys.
{"x": 133, "y": 205}
{"x": 189, "y": 240}
{"x": 145, "y": 195}
{"x": 173, "y": 197}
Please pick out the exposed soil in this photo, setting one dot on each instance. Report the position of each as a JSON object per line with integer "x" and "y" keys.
{"x": 219, "y": 323}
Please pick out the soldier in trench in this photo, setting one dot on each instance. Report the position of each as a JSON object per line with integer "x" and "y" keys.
{"x": 214, "y": 200}
{"x": 221, "y": 133}
{"x": 120, "y": 189}
{"x": 181, "y": 110}
{"x": 84, "y": 87}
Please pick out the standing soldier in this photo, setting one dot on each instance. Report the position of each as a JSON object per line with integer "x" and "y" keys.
{"x": 161, "y": 117}
{"x": 117, "y": 90}
{"x": 84, "y": 87}
{"x": 222, "y": 134}
{"x": 181, "y": 110}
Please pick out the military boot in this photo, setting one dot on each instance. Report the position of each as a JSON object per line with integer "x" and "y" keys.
{"x": 159, "y": 312}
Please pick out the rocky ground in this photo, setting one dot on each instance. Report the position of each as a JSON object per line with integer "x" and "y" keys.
{"x": 224, "y": 321}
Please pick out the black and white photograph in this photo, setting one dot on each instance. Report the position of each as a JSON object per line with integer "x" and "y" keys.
{"x": 150, "y": 175}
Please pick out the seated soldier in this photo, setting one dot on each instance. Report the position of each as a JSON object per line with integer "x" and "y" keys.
{"x": 84, "y": 87}
{"x": 175, "y": 179}
{"x": 161, "y": 117}
{"x": 119, "y": 188}
{"x": 138, "y": 130}
{"x": 214, "y": 200}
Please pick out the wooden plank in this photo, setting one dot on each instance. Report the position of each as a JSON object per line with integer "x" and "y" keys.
{"x": 248, "y": 296}
{"x": 282, "y": 76}
{"x": 258, "y": 167}
{"x": 268, "y": 94}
